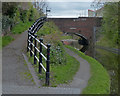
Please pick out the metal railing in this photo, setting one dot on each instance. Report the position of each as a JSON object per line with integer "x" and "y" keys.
{"x": 37, "y": 25}
{"x": 35, "y": 45}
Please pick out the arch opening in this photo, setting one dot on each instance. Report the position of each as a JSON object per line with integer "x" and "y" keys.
{"x": 82, "y": 41}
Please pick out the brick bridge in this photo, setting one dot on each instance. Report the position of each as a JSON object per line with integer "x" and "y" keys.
{"x": 87, "y": 26}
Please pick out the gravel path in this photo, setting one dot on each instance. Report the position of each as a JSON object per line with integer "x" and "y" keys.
{"x": 14, "y": 70}
{"x": 16, "y": 77}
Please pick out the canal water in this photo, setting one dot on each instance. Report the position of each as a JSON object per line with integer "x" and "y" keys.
{"x": 108, "y": 59}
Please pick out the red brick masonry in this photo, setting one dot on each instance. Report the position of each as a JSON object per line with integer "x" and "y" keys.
{"x": 82, "y": 25}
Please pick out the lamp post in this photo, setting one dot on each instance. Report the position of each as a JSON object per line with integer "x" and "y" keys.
{"x": 47, "y": 10}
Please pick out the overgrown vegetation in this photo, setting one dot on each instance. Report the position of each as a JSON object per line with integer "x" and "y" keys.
{"x": 0, "y": 42}
{"x": 60, "y": 62}
{"x": 6, "y": 40}
{"x": 59, "y": 69}
{"x": 48, "y": 28}
{"x": 99, "y": 83}
{"x": 110, "y": 33}
{"x": 64, "y": 73}
{"x": 17, "y": 17}
{"x": 21, "y": 27}
{"x": 110, "y": 61}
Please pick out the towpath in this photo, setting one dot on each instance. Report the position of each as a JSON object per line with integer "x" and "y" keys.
{"x": 17, "y": 79}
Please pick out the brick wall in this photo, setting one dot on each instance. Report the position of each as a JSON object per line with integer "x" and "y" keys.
{"x": 82, "y": 25}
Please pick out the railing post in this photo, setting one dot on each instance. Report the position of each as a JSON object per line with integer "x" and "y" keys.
{"x": 40, "y": 56}
{"x": 35, "y": 51}
{"x": 28, "y": 42}
{"x": 31, "y": 47}
{"x": 48, "y": 65}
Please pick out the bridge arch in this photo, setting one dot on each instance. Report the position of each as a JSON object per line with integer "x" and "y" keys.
{"x": 83, "y": 41}
{"x": 82, "y": 25}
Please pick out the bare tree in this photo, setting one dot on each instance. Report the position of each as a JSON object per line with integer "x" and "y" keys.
{"x": 97, "y": 4}
{"x": 40, "y": 5}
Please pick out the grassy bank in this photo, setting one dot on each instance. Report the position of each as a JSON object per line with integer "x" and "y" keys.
{"x": 21, "y": 27}
{"x": 6, "y": 40}
{"x": 99, "y": 83}
{"x": 59, "y": 69}
{"x": 17, "y": 29}
{"x": 0, "y": 42}
{"x": 65, "y": 73}
{"x": 105, "y": 42}
{"x": 60, "y": 62}
{"x": 110, "y": 61}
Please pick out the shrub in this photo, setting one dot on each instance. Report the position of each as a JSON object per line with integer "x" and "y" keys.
{"x": 17, "y": 16}
{"x": 6, "y": 23}
{"x": 23, "y": 15}
{"x": 57, "y": 54}
{"x": 33, "y": 14}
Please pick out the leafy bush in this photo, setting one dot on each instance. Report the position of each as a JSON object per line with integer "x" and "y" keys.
{"x": 17, "y": 16}
{"x": 60, "y": 65}
{"x": 29, "y": 15}
{"x": 9, "y": 8}
{"x": 48, "y": 28}
{"x": 110, "y": 24}
{"x": 57, "y": 54}
{"x": 6, "y": 24}
{"x": 36, "y": 14}
{"x": 33, "y": 14}
{"x": 21, "y": 27}
{"x": 52, "y": 35}
{"x": 6, "y": 21}
{"x": 6, "y": 40}
{"x": 23, "y": 15}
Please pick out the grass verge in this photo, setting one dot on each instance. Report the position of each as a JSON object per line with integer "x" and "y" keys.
{"x": 0, "y": 42}
{"x": 18, "y": 29}
{"x": 6, "y": 40}
{"x": 111, "y": 62}
{"x": 59, "y": 73}
{"x": 106, "y": 43}
{"x": 99, "y": 83}
{"x": 21, "y": 27}
{"x": 65, "y": 73}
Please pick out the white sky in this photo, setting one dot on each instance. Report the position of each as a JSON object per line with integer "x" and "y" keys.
{"x": 69, "y": 9}
{"x": 81, "y": 0}
{"x": 69, "y": 0}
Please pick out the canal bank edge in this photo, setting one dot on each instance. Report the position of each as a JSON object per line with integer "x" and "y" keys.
{"x": 99, "y": 82}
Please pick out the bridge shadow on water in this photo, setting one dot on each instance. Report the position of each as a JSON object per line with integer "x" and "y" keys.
{"x": 82, "y": 41}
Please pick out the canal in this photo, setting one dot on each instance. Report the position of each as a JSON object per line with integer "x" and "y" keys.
{"x": 108, "y": 59}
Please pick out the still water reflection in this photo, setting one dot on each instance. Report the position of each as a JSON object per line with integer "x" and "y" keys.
{"x": 108, "y": 59}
